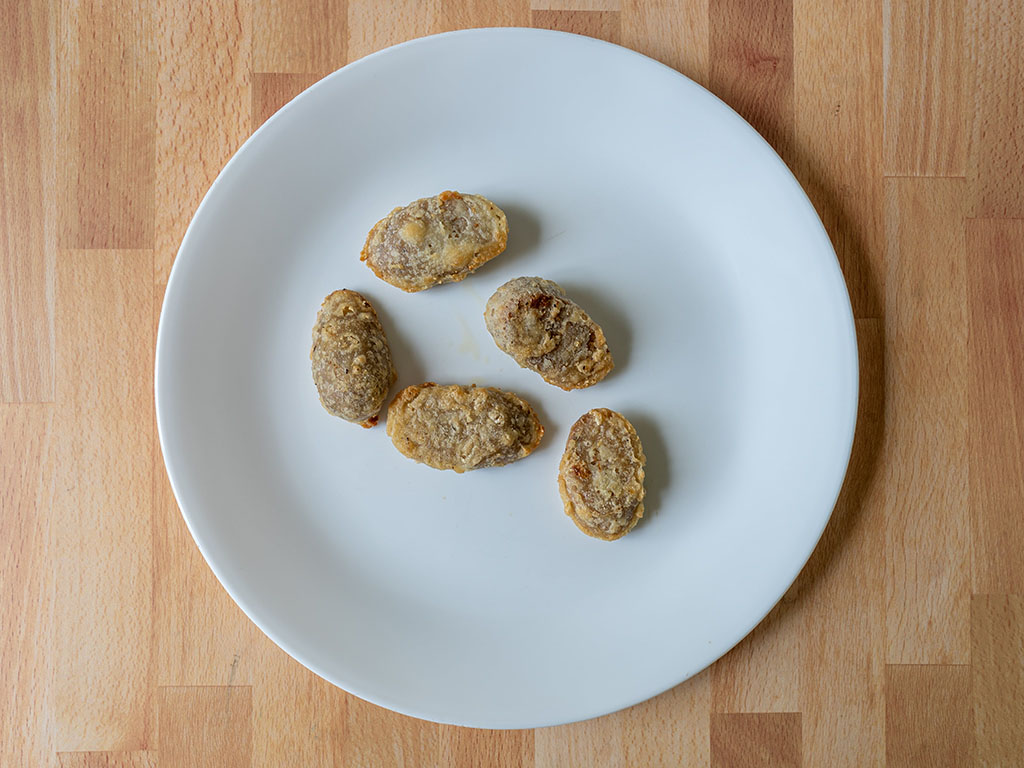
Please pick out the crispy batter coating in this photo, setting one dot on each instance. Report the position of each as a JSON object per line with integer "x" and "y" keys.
{"x": 351, "y": 360}
{"x": 601, "y": 476}
{"x": 435, "y": 240}
{"x": 534, "y": 322}
{"x": 462, "y": 428}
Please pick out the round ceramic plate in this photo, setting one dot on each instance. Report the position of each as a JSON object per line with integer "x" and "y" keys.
{"x": 472, "y": 599}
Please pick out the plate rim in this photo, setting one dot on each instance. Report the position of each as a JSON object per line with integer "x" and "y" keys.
{"x": 851, "y": 415}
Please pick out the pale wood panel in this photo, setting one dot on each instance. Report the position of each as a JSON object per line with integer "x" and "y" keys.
{"x": 377, "y": 736}
{"x": 841, "y": 592}
{"x": 996, "y": 396}
{"x": 203, "y": 105}
{"x": 469, "y": 748}
{"x": 209, "y": 725}
{"x": 751, "y": 52}
{"x": 997, "y": 678}
{"x": 927, "y": 527}
{"x": 762, "y": 673}
{"x": 838, "y": 132}
{"x": 26, "y": 573}
{"x": 301, "y": 718}
{"x": 460, "y": 14}
{"x": 107, "y": 759}
{"x": 299, "y": 35}
{"x": 373, "y": 26}
{"x": 576, "y": 5}
{"x": 755, "y": 740}
{"x": 675, "y": 32}
{"x": 106, "y": 86}
{"x": 925, "y": 62}
{"x": 928, "y": 716}
{"x": 592, "y": 742}
{"x": 103, "y": 442}
{"x": 670, "y": 729}
{"x": 27, "y": 203}
{"x": 304, "y": 720}
{"x": 603, "y": 25}
{"x": 271, "y": 91}
{"x": 995, "y": 163}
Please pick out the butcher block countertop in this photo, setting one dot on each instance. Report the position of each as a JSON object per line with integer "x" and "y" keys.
{"x": 901, "y": 643}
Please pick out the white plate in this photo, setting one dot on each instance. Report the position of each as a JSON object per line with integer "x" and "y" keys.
{"x": 472, "y": 599}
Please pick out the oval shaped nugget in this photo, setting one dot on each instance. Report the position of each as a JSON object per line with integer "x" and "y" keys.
{"x": 462, "y": 428}
{"x": 352, "y": 366}
{"x": 435, "y": 240}
{"x": 535, "y": 323}
{"x": 601, "y": 476}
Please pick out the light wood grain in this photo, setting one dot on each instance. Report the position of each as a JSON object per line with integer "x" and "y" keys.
{"x": 841, "y": 589}
{"x": 995, "y": 166}
{"x": 675, "y": 32}
{"x": 576, "y": 5}
{"x": 106, "y": 125}
{"x": 301, "y": 36}
{"x": 107, "y": 759}
{"x": 377, "y": 737}
{"x": 928, "y": 718}
{"x": 271, "y": 91}
{"x": 469, "y": 747}
{"x": 26, "y": 575}
{"x": 103, "y": 443}
{"x": 203, "y": 105}
{"x": 927, "y": 528}
{"x": 925, "y": 65}
{"x": 996, "y": 393}
{"x": 762, "y": 673}
{"x": 603, "y": 25}
{"x": 997, "y": 678}
{"x": 209, "y": 725}
{"x": 669, "y": 730}
{"x": 118, "y": 647}
{"x": 755, "y": 741}
{"x": 837, "y": 102}
{"x": 751, "y": 53}
{"x": 28, "y": 217}
{"x": 299, "y": 716}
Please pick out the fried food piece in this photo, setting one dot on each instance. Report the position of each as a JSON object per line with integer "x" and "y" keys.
{"x": 601, "y": 476}
{"x": 435, "y": 240}
{"x": 352, "y": 366}
{"x": 538, "y": 326}
{"x": 462, "y": 428}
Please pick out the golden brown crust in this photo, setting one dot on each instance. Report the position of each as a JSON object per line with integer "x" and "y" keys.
{"x": 535, "y": 323}
{"x": 350, "y": 358}
{"x": 435, "y": 240}
{"x": 601, "y": 475}
{"x": 462, "y": 428}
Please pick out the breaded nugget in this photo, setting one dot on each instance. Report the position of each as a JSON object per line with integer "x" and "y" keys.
{"x": 435, "y": 240}
{"x": 601, "y": 476}
{"x": 538, "y": 326}
{"x": 352, "y": 366}
{"x": 462, "y": 428}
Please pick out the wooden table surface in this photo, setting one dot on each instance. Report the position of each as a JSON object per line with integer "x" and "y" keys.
{"x": 902, "y": 642}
